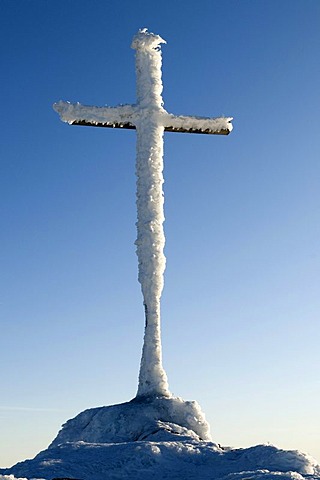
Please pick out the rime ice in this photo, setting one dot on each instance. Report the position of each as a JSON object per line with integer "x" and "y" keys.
{"x": 150, "y": 240}
{"x": 150, "y": 120}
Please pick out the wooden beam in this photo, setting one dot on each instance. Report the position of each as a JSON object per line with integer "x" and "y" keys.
{"x": 85, "y": 123}
{"x": 130, "y": 126}
{"x": 197, "y": 130}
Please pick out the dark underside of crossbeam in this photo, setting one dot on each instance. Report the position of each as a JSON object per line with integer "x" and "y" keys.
{"x": 130, "y": 126}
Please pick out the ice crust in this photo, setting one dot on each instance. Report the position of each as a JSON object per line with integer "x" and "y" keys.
{"x": 71, "y": 112}
{"x": 129, "y": 115}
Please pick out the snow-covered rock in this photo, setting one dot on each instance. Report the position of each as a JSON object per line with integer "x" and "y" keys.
{"x": 158, "y": 418}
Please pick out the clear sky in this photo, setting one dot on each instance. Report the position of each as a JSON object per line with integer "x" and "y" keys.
{"x": 240, "y": 309}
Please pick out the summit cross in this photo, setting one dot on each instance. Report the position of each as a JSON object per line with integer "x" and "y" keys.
{"x": 150, "y": 120}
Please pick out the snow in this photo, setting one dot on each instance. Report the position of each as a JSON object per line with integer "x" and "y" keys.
{"x": 175, "y": 460}
{"x": 148, "y": 70}
{"x": 159, "y": 418}
{"x": 203, "y": 124}
{"x": 129, "y": 115}
{"x": 150, "y": 239}
{"x": 162, "y": 438}
{"x": 71, "y": 112}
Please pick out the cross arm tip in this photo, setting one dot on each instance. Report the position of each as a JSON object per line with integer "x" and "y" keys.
{"x": 77, "y": 114}
{"x": 190, "y": 124}
{"x": 64, "y": 110}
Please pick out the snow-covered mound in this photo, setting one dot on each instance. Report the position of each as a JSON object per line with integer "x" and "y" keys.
{"x": 155, "y": 439}
{"x": 158, "y": 418}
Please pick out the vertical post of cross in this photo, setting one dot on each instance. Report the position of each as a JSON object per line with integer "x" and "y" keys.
{"x": 150, "y": 235}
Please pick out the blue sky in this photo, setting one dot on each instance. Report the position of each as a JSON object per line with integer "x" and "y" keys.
{"x": 240, "y": 309}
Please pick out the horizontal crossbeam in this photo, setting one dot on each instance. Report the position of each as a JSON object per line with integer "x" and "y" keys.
{"x": 126, "y": 116}
{"x": 130, "y": 126}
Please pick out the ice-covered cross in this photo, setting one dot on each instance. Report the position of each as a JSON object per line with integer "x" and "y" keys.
{"x": 150, "y": 120}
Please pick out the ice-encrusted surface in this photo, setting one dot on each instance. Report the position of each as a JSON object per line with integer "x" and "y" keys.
{"x": 150, "y": 234}
{"x": 150, "y": 119}
{"x": 130, "y": 114}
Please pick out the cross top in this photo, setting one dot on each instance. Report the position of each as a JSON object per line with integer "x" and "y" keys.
{"x": 146, "y": 40}
{"x": 150, "y": 120}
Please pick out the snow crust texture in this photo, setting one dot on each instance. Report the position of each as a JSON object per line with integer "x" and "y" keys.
{"x": 157, "y": 418}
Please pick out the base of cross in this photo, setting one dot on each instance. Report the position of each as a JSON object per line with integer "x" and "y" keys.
{"x": 148, "y": 418}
